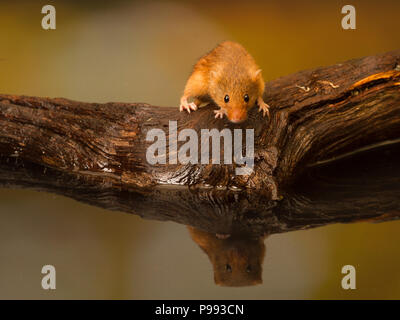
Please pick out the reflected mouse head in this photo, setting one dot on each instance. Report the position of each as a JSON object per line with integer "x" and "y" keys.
{"x": 237, "y": 261}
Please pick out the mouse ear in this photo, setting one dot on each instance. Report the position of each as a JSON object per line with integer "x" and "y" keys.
{"x": 213, "y": 74}
{"x": 257, "y": 73}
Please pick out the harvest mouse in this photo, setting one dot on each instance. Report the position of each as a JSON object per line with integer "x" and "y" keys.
{"x": 229, "y": 76}
{"x": 237, "y": 261}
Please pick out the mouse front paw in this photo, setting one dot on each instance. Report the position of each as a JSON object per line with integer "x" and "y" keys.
{"x": 185, "y": 105}
{"x": 219, "y": 113}
{"x": 263, "y": 107}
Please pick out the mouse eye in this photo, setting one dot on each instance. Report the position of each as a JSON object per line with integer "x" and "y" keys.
{"x": 228, "y": 267}
{"x": 246, "y": 98}
{"x": 248, "y": 269}
{"x": 226, "y": 99}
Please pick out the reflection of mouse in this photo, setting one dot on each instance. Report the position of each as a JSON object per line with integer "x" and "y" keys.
{"x": 237, "y": 261}
{"x": 230, "y": 77}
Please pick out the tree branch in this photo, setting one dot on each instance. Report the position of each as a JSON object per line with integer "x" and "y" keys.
{"x": 96, "y": 153}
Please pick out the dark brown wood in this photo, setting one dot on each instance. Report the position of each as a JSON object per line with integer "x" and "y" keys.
{"x": 96, "y": 153}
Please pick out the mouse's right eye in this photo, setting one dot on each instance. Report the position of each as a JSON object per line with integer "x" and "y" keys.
{"x": 226, "y": 99}
{"x": 228, "y": 268}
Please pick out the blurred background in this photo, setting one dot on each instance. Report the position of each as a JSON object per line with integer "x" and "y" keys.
{"x": 143, "y": 51}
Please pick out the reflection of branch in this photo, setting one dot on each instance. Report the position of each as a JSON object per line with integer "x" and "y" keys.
{"x": 96, "y": 152}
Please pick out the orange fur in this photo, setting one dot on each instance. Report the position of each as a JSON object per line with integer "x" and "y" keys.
{"x": 243, "y": 255}
{"x": 228, "y": 70}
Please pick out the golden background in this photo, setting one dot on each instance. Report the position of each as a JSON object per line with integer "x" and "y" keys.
{"x": 143, "y": 51}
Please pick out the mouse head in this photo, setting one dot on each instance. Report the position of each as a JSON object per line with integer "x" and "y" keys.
{"x": 237, "y": 261}
{"x": 236, "y": 91}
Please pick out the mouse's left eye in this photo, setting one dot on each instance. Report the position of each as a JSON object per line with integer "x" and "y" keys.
{"x": 246, "y": 98}
{"x": 226, "y": 99}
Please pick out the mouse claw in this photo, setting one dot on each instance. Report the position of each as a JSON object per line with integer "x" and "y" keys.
{"x": 263, "y": 107}
{"x": 188, "y": 107}
{"x": 219, "y": 113}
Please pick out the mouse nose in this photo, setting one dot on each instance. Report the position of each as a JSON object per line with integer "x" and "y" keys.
{"x": 237, "y": 120}
{"x": 237, "y": 115}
